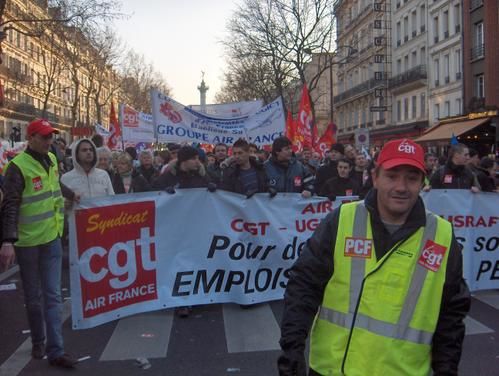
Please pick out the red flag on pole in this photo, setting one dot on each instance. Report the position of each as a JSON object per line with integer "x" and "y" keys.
{"x": 114, "y": 129}
{"x": 326, "y": 140}
{"x": 305, "y": 119}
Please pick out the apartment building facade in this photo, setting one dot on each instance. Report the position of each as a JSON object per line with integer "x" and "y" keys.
{"x": 34, "y": 75}
{"x": 445, "y": 59}
{"x": 361, "y": 80}
{"x": 409, "y": 82}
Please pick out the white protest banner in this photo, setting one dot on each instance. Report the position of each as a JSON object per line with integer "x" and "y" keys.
{"x": 475, "y": 218}
{"x": 229, "y": 110}
{"x": 136, "y": 126}
{"x": 175, "y": 122}
{"x": 128, "y": 257}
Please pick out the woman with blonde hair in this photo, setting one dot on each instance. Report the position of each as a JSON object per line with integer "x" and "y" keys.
{"x": 126, "y": 179}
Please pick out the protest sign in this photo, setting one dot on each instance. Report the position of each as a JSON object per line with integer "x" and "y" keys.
{"x": 229, "y": 110}
{"x": 136, "y": 126}
{"x": 175, "y": 122}
{"x": 130, "y": 255}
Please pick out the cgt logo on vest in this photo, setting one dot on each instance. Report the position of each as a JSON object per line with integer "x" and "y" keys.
{"x": 358, "y": 247}
{"x": 432, "y": 256}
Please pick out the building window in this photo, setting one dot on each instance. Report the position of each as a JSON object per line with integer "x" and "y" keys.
{"x": 445, "y": 25}
{"x": 447, "y": 108}
{"x": 422, "y": 18}
{"x": 399, "y": 111}
{"x": 458, "y": 106}
{"x": 435, "y": 30}
{"x": 406, "y": 108}
{"x": 436, "y": 112}
{"x": 457, "y": 60}
{"x": 423, "y": 55}
{"x": 446, "y": 69}
{"x": 414, "y": 20}
{"x": 479, "y": 86}
{"x": 423, "y": 105}
{"x": 457, "y": 18}
{"x": 406, "y": 29}
{"x": 414, "y": 101}
{"x": 406, "y": 62}
{"x": 399, "y": 34}
{"x": 414, "y": 59}
{"x": 436, "y": 71}
{"x": 478, "y": 49}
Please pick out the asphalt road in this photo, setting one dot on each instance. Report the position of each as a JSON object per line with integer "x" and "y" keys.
{"x": 214, "y": 340}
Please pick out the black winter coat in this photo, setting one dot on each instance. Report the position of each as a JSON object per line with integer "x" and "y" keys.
{"x": 138, "y": 184}
{"x": 314, "y": 268}
{"x": 231, "y": 178}
{"x": 451, "y": 176}
{"x": 176, "y": 178}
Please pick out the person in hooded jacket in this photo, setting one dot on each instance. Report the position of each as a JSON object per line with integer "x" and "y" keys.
{"x": 85, "y": 178}
{"x": 285, "y": 172}
{"x": 127, "y": 179}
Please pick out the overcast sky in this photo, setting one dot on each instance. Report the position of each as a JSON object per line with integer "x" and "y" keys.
{"x": 181, "y": 38}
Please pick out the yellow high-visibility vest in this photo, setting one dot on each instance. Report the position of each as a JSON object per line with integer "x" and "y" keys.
{"x": 41, "y": 214}
{"x": 378, "y": 316}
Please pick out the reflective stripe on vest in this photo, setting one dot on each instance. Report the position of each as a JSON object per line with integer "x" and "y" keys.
{"x": 378, "y": 316}
{"x": 401, "y": 330}
{"x": 41, "y": 213}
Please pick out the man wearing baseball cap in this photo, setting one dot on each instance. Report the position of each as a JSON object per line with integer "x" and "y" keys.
{"x": 32, "y": 227}
{"x": 379, "y": 284}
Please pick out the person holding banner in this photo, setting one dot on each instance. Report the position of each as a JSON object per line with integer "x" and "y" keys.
{"x": 285, "y": 172}
{"x": 379, "y": 284}
{"x": 33, "y": 219}
{"x": 246, "y": 175}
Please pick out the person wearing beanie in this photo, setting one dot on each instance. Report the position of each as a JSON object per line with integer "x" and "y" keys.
{"x": 329, "y": 169}
{"x": 378, "y": 289}
{"x": 186, "y": 172}
{"x": 285, "y": 172}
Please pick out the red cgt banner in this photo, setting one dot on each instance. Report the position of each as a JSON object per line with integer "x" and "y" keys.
{"x": 121, "y": 269}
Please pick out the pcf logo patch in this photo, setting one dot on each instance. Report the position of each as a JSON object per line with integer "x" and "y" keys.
{"x": 358, "y": 247}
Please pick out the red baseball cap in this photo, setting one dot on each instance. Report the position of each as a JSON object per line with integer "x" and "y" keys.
{"x": 40, "y": 126}
{"x": 401, "y": 152}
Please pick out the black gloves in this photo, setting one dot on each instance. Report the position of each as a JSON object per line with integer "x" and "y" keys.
{"x": 292, "y": 365}
{"x": 170, "y": 190}
{"x": 272, "y": 192}
{"x": 212, "y": 187}
{"x": 331, "y": 197}
{"x": 251, "y": 192}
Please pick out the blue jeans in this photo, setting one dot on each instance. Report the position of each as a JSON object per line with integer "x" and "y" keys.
{"x": 41, "y": 275}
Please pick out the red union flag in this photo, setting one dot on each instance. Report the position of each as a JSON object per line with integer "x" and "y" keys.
{"x": 291, "y": 132}
{"x": 305, "y": 120}
{"x": 114, "y": 129}
{"x": 116, "y": 251}
{"x": 130, "y": 117}
{"x": 327, "y": 139}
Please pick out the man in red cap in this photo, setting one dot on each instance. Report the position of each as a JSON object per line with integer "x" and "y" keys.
{"x": 32, "y": 227}
{"x": 379, "y": 284}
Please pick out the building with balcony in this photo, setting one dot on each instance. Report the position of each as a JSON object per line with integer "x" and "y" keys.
{"x": 37, "y": 78}
{"x": 445, "y": 59}
{"x": 409, "y": 82}
{"x": 364, "y": 99}
{"x": 481, "y": 54}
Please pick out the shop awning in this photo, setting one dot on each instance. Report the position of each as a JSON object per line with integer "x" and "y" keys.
{"x": 445, "y": 131}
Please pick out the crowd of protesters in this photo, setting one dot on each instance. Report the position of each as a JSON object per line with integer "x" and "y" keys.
{"x": 89, "y": 169}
